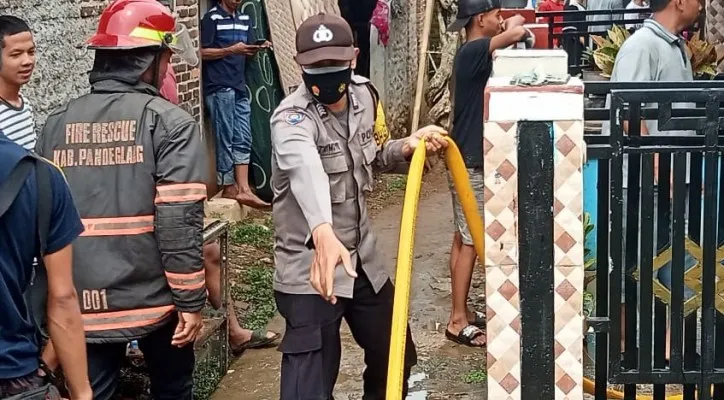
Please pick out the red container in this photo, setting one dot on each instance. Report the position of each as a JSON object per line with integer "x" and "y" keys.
{"x": 540, "y": 31}
{"x": 527, "y": 13}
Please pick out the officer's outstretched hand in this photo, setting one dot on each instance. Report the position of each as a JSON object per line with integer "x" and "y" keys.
{"x": 432, "y": 135}
{"x": 189, "y": 326}
{"x": 328, "y": 252}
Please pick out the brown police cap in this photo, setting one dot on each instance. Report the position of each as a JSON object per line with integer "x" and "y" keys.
{"x": 324, "y": 37}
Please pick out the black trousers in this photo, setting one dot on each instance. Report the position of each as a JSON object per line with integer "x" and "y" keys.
{"x": 312, "y": 348}
{"x": 171, "y": 369}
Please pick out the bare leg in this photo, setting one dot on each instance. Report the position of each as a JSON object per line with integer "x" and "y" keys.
{"x": 455, "y": 252}
{"x": 667, "y": 353}
{"x": 229, "y": 192}
{"x": 245, "y": 195}
{"x": 462, "y": 274}
{"x": 212, "y": 265}
{"x": 454, "y": 256}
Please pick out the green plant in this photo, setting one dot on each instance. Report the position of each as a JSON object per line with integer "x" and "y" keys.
{"x": 589, "y": 303}
{"x": 256, "y": 291}
{"x": 206, "y": 379}
{"x": 254, "y": 234}
{"x": 604, "y": 56}
{"x": 703, "y": 57}
{"x": 702, "y": 54}
{"x": 397, "y": 183}
{"x": 589, "y": 262}
{"x": 476, "y": 375}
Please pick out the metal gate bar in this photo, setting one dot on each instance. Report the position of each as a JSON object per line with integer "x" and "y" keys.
{"x": 656, "y": 222}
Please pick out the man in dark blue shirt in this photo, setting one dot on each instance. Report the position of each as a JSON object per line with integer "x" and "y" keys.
{"x": 19, "y": 244}
{"x": 225, "y": 44}
{"x": 485, "y": 32}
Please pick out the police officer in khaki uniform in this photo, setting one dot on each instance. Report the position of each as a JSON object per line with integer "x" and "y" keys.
{"x": 324, "y": 151}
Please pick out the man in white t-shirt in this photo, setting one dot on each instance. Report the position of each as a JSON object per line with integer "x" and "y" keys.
{"x": 16, "y": 67}
{"x": 636, "y": 5}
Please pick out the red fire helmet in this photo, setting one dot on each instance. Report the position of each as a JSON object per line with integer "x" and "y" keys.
{"x": 132, "y": 24}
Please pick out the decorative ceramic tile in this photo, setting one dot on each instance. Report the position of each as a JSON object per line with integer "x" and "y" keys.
{"x": 568, "y": 332}
{"x": 503, "y": 332}
{"x": 501, "y": 194}
{"x": 568, "y": 154}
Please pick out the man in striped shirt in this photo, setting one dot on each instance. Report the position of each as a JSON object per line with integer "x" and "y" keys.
{"x": 16, "y": 67}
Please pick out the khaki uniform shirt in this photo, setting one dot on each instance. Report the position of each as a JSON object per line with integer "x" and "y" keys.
{"x": 322, "y": 172}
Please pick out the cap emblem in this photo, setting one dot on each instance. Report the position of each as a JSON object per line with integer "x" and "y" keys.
{"x": 322, "y": 34}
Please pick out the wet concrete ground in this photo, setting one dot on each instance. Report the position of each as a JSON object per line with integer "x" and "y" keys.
{"x": 444, "y": 370}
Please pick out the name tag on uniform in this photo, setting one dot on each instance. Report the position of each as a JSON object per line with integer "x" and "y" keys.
{"x": 330, "y": 149}
{"x": 366, "y": 137}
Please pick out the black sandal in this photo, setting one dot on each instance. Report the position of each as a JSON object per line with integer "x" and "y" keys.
{"x": 466, "y": 336}
{"x": 479, "y": 320}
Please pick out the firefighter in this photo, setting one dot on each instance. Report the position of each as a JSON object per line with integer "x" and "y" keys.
{"x": 324, "y": 149}
{"x": 136, "y": 167}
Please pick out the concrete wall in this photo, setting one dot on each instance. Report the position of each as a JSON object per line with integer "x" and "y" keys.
{"x": 62, "y": 70}
{"x": 189, "y": 78}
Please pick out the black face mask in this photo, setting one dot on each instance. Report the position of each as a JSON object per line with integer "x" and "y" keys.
{"x": 328, "y": 88}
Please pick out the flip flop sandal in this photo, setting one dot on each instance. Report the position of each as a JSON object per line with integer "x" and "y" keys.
{"x": 258, "y": 340}
{"x": 479, "y": 320}
{"x": 466, "y": 336}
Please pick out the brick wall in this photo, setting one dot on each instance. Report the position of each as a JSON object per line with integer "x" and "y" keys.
{"x": 188, "y": 78}
{"x": 62, "y": 70}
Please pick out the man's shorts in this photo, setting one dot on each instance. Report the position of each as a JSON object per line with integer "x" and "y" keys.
{"x": 478, "y": 185}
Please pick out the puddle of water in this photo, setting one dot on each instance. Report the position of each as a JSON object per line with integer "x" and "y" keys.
{"x": 414, "y": 380}
{"x": 421, "y": 395}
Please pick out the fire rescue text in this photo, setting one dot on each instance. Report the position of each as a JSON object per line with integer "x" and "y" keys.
{"x": 99, "y": 144}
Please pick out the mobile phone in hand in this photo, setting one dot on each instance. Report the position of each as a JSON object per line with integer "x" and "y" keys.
{"x": 259, "y": 42}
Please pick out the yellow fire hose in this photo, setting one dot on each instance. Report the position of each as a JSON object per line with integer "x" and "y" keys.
{"x": 454, "y": 161}
{"x": 405, "y": 251}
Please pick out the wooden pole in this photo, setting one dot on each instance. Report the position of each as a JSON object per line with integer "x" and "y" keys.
{"x": 422, "y": 63}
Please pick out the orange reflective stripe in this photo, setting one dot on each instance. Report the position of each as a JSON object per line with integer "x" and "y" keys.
{"x": 118, "y": 226}
{"x": 125, "y": 319}
{"x": 180, "y": 192}
{"x": 192, "y": 281}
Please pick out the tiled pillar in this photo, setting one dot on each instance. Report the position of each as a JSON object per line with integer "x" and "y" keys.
{"x": 561, "y": 108}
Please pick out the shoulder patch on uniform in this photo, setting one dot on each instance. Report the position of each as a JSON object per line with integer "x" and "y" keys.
{"x": 293, "y": 117}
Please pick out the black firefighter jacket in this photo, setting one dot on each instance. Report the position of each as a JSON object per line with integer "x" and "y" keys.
{"x": 136, "y": 167}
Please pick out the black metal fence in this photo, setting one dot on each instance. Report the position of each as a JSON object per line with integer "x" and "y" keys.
{"x": 588, "y": 22}
{"x": 659, "y": 203}
{"x": 572, "y": 30}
